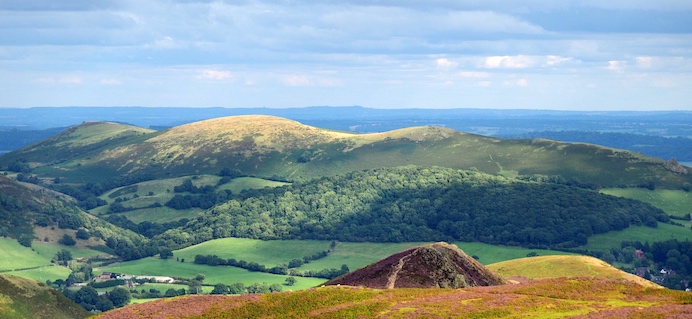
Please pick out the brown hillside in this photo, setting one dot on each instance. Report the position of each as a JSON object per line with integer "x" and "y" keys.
{"x": 439, "y": 265}
{"x": 545, "y": 298}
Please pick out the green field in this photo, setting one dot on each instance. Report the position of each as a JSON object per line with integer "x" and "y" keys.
{"x": 239, "y": 184}
{"x": 673, "y": 202}
{"x": 42, "y": 274}
{"x": 213, "y": 275}
{"x": 49, "y": 251}
{"x": 643, "y": 234}
{"x": 16, "y": 256}
{"x": 269, "y": 253}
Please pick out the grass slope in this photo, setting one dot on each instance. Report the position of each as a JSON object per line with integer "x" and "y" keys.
{"x": 606, "y": 241}
{"x": 548, "y": 298}
{"x": 268, "y": 146}
{"x": 16, "y": 256}
{"x": 673, "y": 202}
{"x": 213, "y": 275}
{"x": 564, "y": 266}
{"x": 25, "y": 298}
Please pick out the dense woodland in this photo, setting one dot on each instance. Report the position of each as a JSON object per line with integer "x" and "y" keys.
{"x": 419, "y": 204}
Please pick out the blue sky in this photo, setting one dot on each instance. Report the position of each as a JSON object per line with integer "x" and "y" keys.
{"x": 536, "y": 54}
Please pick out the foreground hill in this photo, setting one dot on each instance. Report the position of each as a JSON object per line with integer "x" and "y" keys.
{"x": 548, "y": 298}
{"x": 564, "y": 266}
{"x": 24, "y": 298}
{"x": 438, "y": 265}
{"x": 268, "y": 146}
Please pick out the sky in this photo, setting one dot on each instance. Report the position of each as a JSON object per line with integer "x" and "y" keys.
{"x": 497, "y": 54}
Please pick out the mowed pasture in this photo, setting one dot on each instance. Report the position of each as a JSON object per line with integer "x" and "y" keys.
{"x": 673, "y": 202}
{"x": 16, "y": 256}
{"x": 48, "y": 250}
{"x": 213, "y": 274}
{"x": 613, "y": 239}
{"x": 24, "y": 262}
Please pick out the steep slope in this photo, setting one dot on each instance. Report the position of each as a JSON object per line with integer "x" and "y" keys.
{"x": 24, "y": 210}
{"x": 269, "y": 146}
{"x": 25, "y": 298}
{"x": 438, "y": 265}
{"x": 78, "y": 141}
{"x": 564, "y": 266}
{"x": 547, "y": 298}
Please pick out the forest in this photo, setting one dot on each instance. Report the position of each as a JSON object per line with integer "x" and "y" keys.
{"x": 418, "y": 204}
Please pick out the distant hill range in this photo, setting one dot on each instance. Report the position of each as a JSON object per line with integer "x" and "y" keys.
{"x": 22, "y": 298}
{"x": 20, "y": 127}
{"x": 277, "y": 148}
{"x": 438, "y": 265}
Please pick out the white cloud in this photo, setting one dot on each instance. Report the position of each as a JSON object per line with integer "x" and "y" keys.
{"x": 644, "y": 61}
{"x": 110, "y": 81}
{"x": 444, "y": 63}
{"x": 616, "y": 66}
{"x": 216, "y": 75}
{"x": 296, "y": 80}
{"x": 510, "y": 62}
{"x": 66, "y": 79}
{"x": 552, "y": 60}
{"x": 473, "y": 74}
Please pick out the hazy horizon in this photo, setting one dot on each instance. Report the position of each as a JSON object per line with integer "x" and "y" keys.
{"x": 570, "y": 55}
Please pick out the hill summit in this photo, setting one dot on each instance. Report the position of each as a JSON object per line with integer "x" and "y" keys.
{"x": 438, "y": 265}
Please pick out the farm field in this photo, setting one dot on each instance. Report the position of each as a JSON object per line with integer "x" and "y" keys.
{"x": 48, "y": 250}
{"x": 673, "y": 202}
{"x": 269, "y": 253}
{"x": 16, "y": 256}
{"x": 42, "y": 274}
{"x": 638, "y": 233}
{"x": 213, "y": 274}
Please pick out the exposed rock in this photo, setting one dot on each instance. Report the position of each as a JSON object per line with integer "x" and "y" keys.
{"x": 438, "y": 265}
{"x": 673, "y": 166}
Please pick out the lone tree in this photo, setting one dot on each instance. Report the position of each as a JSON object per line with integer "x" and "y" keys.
{"x": 290, "y": 281}
{"x": 165, "y": 253}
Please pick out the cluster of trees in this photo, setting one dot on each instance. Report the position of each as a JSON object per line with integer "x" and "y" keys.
{"x": 240, "y": 289}
{"x": 89, "y": 298}
{"x": 419, "y": 204}
{"x": 146, "y": 228}
{"x": 200, "y": 196}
